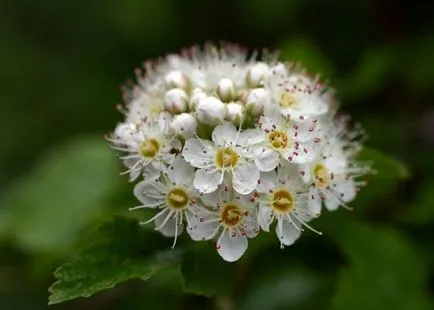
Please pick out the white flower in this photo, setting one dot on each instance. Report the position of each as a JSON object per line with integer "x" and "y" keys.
{"x": 184, "y": 124}
{"x": 224, "y": 156}
{"x": 174, "y": 197}
{"x": 278, "y": 138}
{"x": 283, "y": 199}
{"x": 295, "y": 98}
{"x": 232, "y": 218}
{"x": 149, "y": 149}
{"x": 211, "y": 111}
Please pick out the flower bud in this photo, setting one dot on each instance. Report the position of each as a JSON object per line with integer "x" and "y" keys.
{"x": 175, "y": 101}
{"x": 125, "y": 133}
{"x": 256, "y": 100}
{"x": 235, "y": 113}
{"x": 226, "y": 90}
{"x": 257, "y": 74}
{"x": 211, "y": 111}
{"x": 279, "y": 69}
{"x": 196, "y": 96}
{"x": 175, "y": 79}
{"x": 184, "y": 124}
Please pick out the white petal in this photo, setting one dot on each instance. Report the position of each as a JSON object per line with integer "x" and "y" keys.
{"x": 267, "y": 181}
{"x": 245, "y": 178}
{"x": 207, "y": 182}
{"x": 286, "y": 232}
{"x": 203, "y": 227}
{"x": 264, "y": 215}
{"x": 290, "y": 173}
{"x": 251, "y": 137}
{"x": 224, "y": 134}
{"x": 169, "y": 228}
{"x": 149, "y": 194}
{"x": 199, "y": 153}
{"x": 267, "y": 160}
{"x": 231, "y": 245}
{"x": 314, "y": 204}
{"x": 331, "y": 202}
{"x": 298, "y": 156}
{"x": 345, "y": 189}
{"x": 182, "y": 172}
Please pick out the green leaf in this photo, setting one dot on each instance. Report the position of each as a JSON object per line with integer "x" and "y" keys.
{"x": 204, "y": 272}
{"x": 68, "y": 189}
{"x": 386, "y": 167}
{"x": 384, "y": 271}
{"x": 118, "y": 251}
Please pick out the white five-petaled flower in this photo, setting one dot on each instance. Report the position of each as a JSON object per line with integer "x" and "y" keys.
{"x": 297, "y": 96}
{"x": 279, "y": 138}
{"x": 173, "y": 196}
{"x": 232, "y": 219}
{"x": 281, "y": 199}
{"x": 149, "y": 148}
{"x": 223, "y": 157}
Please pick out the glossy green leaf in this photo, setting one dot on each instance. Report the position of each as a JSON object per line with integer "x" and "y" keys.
{"x": 118, "y": 251}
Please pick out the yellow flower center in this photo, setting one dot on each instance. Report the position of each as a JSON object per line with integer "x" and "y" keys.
{"x": 149, "y": 148}
{"x": 286, "y": 99}
{"x": 177, "y": 198}
{"x": 321, "y": 175}
{"x": 282, "y": 201}
{"x": 226, "y": 158}
{"x": 278, "y": 139}
{"x": 231, "y": 215}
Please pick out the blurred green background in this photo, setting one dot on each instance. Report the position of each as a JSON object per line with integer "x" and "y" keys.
{"x": 61, "y": 65}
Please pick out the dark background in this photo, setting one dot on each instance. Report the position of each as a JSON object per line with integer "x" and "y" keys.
{"x": 61, "y": 67}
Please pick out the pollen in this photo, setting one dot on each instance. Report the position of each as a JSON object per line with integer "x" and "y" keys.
{"x": 278, "y": 139}
{"x": 149, "y": 148}
{"x": 231, "y": 215}
{"x": 177, "y": 198}
{"x": 282, "y": 201}
{"x": 321, "y": 175}
{"x": 226, "y": 158}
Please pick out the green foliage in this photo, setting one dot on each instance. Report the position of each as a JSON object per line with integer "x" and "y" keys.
{"x": 117, "y": 252}
{"x": 69, "y": 188}
{"x": 205, "y": 273}
{"x": 383, "y": 272}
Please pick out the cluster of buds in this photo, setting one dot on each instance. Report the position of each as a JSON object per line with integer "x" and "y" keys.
{"x": 225, "y": 146}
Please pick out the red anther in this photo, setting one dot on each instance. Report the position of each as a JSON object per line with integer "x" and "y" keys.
{"x": 301, "y": 117}
{"x": 290, "y": 158}
{"x": 316, "y": 140}
{"x": 305, "y": 150}
{"x": 302, "y": 172}
{"x": 295, "y": 153}
{"x": 258, "y": 181}
{"x": 202, "y": 220}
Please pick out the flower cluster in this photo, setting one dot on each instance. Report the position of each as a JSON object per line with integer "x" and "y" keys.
{"x": 226, "y": 146}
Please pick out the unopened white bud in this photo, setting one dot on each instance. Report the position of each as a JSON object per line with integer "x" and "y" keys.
{"x": 235, "y": 113}
{"x": 175, "y": 79}
{"x": 279, "y": 69}
{"x": 257, "y": 74}
{"x": 175, "y": 101}
{"x": 256, "y": 100}
{"x": 211, "y": 111}
{"x": 184, "y": 124}
{"x": 226, "y": 90}
{"x": 125, "y": 133}
{"x": 196, "y": 96}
